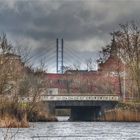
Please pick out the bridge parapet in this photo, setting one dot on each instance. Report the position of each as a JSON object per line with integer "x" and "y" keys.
{"x": 80, "y": 98}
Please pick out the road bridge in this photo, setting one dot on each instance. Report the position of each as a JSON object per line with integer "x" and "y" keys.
{"x": 83, "y": 107}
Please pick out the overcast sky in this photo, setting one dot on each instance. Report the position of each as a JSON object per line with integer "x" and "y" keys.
{"x": 84, "y": 24}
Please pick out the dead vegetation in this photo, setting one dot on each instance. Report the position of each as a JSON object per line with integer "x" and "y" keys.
{"x": 118, "y": 115}
{"x": 124, "y": 112}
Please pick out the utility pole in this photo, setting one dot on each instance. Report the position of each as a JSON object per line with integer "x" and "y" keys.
{"x": 124, "y": 84}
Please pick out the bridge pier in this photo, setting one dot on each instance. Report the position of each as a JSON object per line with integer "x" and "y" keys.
{"x": 84, "y": 113}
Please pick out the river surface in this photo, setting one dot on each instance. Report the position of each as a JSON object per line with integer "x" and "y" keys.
{"x": 64, "y": 130}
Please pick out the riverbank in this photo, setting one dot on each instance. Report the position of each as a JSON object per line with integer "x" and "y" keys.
{"x": 124, "y": 112}
{"x": 18, "y": 118}
{"x": 41, "y": 116}
{"x": 10, "y": 121}
{"x": 18, "y": 115}
{"x": 12, "y": 114}
{"x": 15, "y": 121}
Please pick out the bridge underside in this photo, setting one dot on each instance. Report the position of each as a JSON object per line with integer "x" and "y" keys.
{"x": 82, "y": 110}
{"x": 88, "y": 113}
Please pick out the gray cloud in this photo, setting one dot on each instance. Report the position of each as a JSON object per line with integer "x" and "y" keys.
{"x": 85, "y": 25}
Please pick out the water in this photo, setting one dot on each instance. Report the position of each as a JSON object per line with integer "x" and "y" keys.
{"x": 77, "y": 131}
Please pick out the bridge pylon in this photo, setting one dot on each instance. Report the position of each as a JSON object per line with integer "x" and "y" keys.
{"x": 59, "y": 56}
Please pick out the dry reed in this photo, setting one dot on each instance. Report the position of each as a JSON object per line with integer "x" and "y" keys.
{"x": 120, "y": 115}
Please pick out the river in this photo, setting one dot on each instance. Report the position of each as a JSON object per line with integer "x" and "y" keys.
{"x": 64, "y": 130}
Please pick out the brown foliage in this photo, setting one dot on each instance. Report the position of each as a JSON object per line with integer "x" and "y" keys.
{"x": 10, "y": 121}
{"x": 119, "y": 115}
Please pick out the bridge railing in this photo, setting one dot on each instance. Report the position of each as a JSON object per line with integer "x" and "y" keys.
{"x": 79, "y": 98}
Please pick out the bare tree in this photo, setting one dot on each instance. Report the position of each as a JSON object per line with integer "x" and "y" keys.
{"x": 42, "y": 67}
{"x": 31, "y": 88}
{"x": 4, "y": 44}
{"x": 104, "y": 54}
{"x": 76, "y": 66}
{"x": 128, "y": 42}
{"x": 115, "y": 72}
{"x": 90, "y": 64}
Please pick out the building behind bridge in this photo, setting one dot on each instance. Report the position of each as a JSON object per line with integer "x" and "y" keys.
{"x": 108, "y": 79}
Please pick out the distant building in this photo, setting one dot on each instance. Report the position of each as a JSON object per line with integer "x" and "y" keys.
{"x": 106, "y": 80}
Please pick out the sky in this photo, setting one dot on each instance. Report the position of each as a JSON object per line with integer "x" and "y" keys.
{"x": 85, "y": 26}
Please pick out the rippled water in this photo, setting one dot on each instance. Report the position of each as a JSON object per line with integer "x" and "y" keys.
{"x": 78, "y": 131}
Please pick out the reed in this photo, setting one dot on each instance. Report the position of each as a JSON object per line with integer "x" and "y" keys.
{"x": 119, "y": 115}
{"x": 10, "y": 121}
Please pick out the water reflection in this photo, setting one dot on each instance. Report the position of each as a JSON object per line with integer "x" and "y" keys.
{"x": 63, "y": 119}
